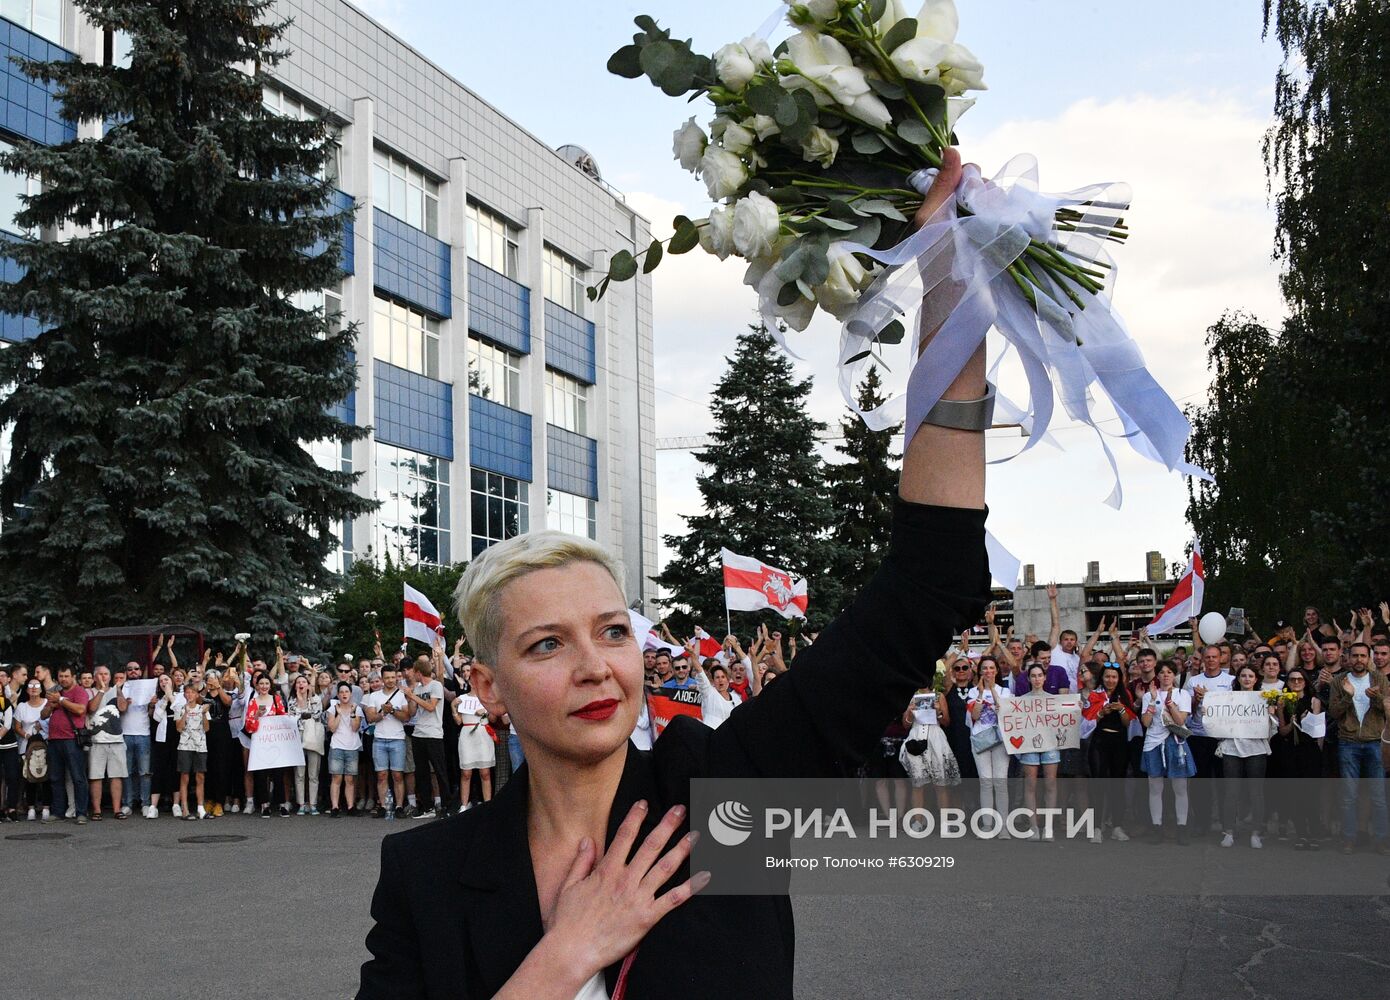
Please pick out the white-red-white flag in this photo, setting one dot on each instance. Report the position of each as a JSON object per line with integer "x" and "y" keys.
{"x": 750, "y": 585}
{"x": 1186, "y": 601}
{"x": 709, "y": 646}
{"x": 422, "y": 621}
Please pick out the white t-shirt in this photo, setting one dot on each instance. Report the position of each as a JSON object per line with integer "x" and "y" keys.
{"x": 989, "y": 715}
{"x": 430, "y": 725}
{"x": 388, "y": 727}
{"x": 344, "y": 737}
{"x": 1221, "y": 682}
{"x": 714, "y": 710}
{"x": 1158, "y": 728}
{"x": 1071, "y": 662}
{"x": 1271, "y": 685}
{"x": 192, "y": 738}
{"x": 29, "y": 724}
{"x": 135, "y": 720}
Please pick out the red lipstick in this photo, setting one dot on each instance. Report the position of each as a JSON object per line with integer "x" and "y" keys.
{"x": 597, "y": 710}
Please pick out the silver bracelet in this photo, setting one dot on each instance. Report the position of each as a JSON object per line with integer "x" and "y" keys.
{"x": 964, "y": 414}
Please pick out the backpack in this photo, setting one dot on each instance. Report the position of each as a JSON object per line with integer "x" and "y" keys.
{"x": 36, "y": 761}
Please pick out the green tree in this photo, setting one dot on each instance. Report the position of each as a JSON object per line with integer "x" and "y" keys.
{"x": 764, "y": 494}
{"x": 370, "y": 602}
{"x": 862, "y": 491}
{"x": 1310, "y": 516}
{"x": 158, "y": 468}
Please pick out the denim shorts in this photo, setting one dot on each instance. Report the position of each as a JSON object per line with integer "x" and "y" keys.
{"x": 1044, "y": 757}
{"x": 388, "y": 755}
{"x": 342, "y": 761}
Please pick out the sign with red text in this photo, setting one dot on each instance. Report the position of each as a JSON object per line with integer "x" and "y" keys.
{"x": 1034, "y": 723}
{"x": 670, "y": 703}
{"x": 276, "y": 744}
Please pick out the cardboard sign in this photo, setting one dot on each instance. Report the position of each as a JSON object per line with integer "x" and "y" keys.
{"x": 1033, "y": 723}
{"x": 276, "y": 744}
{"x": 1235, "y": 621}
{"x": 670, "y": 703}
{"x": 1237, "y": 715}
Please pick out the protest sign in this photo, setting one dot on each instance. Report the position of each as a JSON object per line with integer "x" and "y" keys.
{"x": 1237, "y": 715}
{"x": 276, "y": 744}
{"x": 140, "y": 692}
{"x": 665, "y": 705}
{"x": 1033, "y": 723}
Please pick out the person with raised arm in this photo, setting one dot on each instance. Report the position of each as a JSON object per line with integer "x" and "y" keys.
{"x": 575, "y": 875}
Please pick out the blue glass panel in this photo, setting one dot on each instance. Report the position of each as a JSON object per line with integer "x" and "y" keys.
{"x": 410, "y": 264}
{"x": 421, "y": 415}
{"x": 499, "y": 438}
{"x": 499, "y": 308}
{"x": 569, "y": 342}
{"x": 571, "y": 462}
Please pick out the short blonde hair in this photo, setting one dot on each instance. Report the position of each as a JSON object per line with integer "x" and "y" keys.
{"x": 478, "y": 597}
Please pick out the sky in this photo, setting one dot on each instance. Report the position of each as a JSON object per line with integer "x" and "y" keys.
{"x": 1173, "y": 98}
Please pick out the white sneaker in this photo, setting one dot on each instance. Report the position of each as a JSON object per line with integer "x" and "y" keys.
{"x": 250, "y": 806}
{"x": 47, "y": 816}
{"x": 1096, "y": 838}
{"x": 30, "y": 817}
{"x": 1228, "y": 841}
{"x": 178, "y": 812}
{"x": 202, "y": 813}
{"x": 71, "y": 813}
{"x": 233, "y": 808}
{"x": 150, "y": 812}
{"x": 126, "y": 811}
{"x": 1118, "y": 833}
{"x": 1256, "y": 842}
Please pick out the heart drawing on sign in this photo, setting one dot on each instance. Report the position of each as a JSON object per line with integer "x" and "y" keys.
{"x": 1017, "y": 741}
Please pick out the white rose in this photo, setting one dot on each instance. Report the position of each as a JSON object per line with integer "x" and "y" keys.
{"x": 819, "y": 146}
{"x": 758, "y": 51}
{"x": 961, "y": 71}
{"x": 955, "y": 107}
{"x": 718, "y": 237}
{"x": 920, "y": 58}
{"x": 934, "y": 56}
{"x": 689, "y": 144}
{"x": 723, "y": 171}
{"x": 737, "y": 138}
{"x": 756, "y": 225}
{"x": 839, "y": 293}
{"x": 764, "y": 125}
{"x": 938, "y": 19}
{"x": 893, "y": 12}
{"x": 734, "y": 67}
{"x": 818, "y": 11}
{"x": 826, "y": 69}
{"x": 868, "y": 108}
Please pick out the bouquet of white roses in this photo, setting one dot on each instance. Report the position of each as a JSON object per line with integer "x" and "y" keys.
{"x": 818, "y": 155}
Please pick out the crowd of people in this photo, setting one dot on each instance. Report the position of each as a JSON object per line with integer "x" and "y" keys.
{"x": 401, "y": 737}
{"x": 1326, "y": 692}
{"x": 406, "y": 737}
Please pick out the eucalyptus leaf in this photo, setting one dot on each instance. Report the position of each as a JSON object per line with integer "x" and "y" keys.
{"x": 817, "y": 267}
{"x": 931, "y": 99}
{"x": 839, "y": 224}
{"x": 788, "y": 294}
{"x": 886, "y": 88}
{"x": 867, "y": 143}
{"x": 686, "y": 238}
{"x": 762, "y": 99}
{"x": 893, "y": 333}
{"x": 904, "y": 31}
{"x": 876, "y": 9}
{"x": 657, "y": 58}
{"x": 646, "y": 23}
{"x": 867, "y": 232}
{"x": 623, "y": 266}
{"x": 858, "y": 357}
{"x": 626, "y": 62}
{"x": 653, "y": 257}
{"x": 913, "y": 131}
{"x": 787, "y": 110}
{"x": 880, "y": 206}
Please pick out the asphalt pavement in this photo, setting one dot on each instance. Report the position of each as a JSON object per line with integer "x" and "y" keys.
{"x": 244, "y": 907}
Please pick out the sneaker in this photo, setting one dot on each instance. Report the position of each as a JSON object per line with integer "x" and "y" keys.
{"x": 1118, "y": 833}
{"x": 380, "y": 812}
{"x": 30, "y": 816}
{"x": 234, "y": 808}
{"x": 425, "y": 814}
{"x": 1182, "y": 834}
{"x": 1096, "y": 838}
{"x": 202, "y": 812}
{"x": 71, "y": 813}
{"x": 125, "y": 812}
{"x": 334, "y": 813}
{"x": 352, "y": 810}
{"x": 178, "y": 811}
{"x": 1348, "y": 846}
{"x": 250, "y": 806}
{"x": 1256, "y": 842}
{"x": 407, "y": 813}
{"x": 313, "y": 810}
{"x": 368, "y": 806}
{"x": 217, "y": 810}
{"x": 1228, "y": 840}
{"x": 265, "y": 810}
{"x": 303, "y": 811}
{"x": 1314, "y": 845}
{"x": 81, "y": 820}
{"x": 190, "y": 817}
{"x": 47, "y": 817}
{"x": 284, "y": 809}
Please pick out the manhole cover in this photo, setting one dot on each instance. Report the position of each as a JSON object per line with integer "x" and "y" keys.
{"x": 38, "y": 836}
{"x": 214, "y": 838}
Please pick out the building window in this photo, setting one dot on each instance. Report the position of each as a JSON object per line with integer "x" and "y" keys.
{"x": 403, "y": 337}
{"x": 42, "y": 17}
{"x": 412, "y": 524}
{"x": 571, "y": 514}
{"x": 336, "y": 456}
{"x": 501, "y": 508}
{"x": 329, "y": 301}
{"x": 494, "y": 373}
{"x": 404, "y": 191}
{"x": 491, "y": 242}
{"x": 564, "y": 281}
{"x": 12, "y": 187}
{"x": 566, "y": 402}
{"x": 278, "y": 102}
{"x": 115, "y": 48}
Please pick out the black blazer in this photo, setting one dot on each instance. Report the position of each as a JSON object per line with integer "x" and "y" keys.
{"x": 456, "y": 910}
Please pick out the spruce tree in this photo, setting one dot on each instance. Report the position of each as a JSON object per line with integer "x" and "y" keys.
{"x": 764, "y": 494}
{"x": 862, "y": 490}
{"x": 158, "y": 470}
